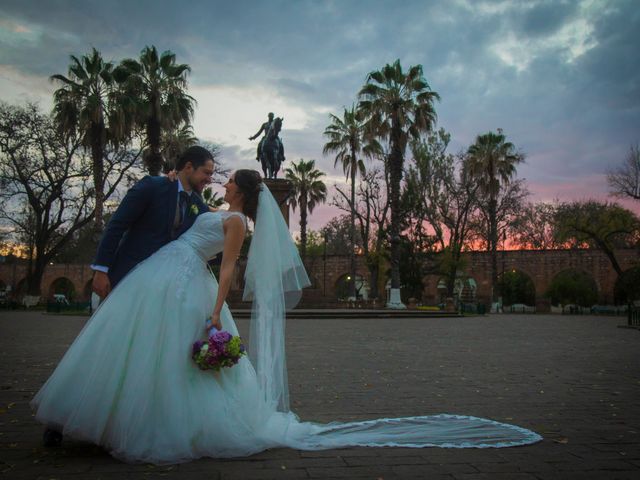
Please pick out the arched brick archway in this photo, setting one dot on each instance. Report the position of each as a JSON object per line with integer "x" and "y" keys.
{"x": 332, "y": 268}
{"x": 341, "y": 287}
{"x": 574, "y": 276}
{"x": 63, "y": 286}
{"x": 464, "y": 289}
{"x": 516, "y": 286}
{"x": 540, "y": 265}
{"x": 580, "y": 271}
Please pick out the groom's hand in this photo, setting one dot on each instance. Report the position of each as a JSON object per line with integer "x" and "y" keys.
{"x": 101, "y": 284}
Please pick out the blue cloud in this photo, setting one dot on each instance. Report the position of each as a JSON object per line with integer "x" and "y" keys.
{"x": 572, "y": 111}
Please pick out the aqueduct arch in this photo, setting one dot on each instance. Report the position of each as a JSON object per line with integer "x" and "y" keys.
{"x": 541, "y": 265}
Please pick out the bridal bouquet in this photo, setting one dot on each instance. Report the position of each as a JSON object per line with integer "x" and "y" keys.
{"x": 221, "y": 350}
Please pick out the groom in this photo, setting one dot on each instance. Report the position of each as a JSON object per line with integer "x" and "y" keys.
{"x": 154, "y": 211}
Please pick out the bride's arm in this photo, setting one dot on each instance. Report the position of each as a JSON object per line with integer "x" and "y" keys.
{"x": 233, "y": 239}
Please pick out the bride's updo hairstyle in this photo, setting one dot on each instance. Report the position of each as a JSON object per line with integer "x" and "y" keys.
{"x": 249, "y": 182}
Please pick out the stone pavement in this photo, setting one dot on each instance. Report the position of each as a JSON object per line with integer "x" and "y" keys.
{"x": 575, "y": 380}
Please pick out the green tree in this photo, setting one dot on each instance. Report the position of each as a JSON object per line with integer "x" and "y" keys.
{"x": 397, "y": 106}
{"x": 412, "y": 262}
{"x": 371, "y": 210}
{"x": 627, "y": 288}
{"x": 336, "y": 233}
{"x": 81, "y": 247}
{"x": 573, "y": 287}
{"x": 176, "y": 141}
{"x": 603, "y": 225}
{"x": 533, "y": 227}
{"x": 315, "y": 244}
{"x": 307, "y": 191}
{"x": 348, "y": 142}
{"x": 159, "y": 86}
{"x": 44, "y": 186}
{"x": 90, "y": 104}
{"x": 492, "y": 163}
{"x": 439, "y": 200}
{"x": 517, "y": 287}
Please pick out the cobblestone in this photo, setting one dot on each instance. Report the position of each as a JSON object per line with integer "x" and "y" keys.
{"x": 573, "y": 379}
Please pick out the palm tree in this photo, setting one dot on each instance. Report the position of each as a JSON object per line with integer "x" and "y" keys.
{"x": 90, "y": 104}
{"x": 163, "y": 103}
{"x": 307, "y": 190}
{"x": 347, "y": 141}
{"x": 175, "y": 142}
{"x": 397, "y": 106}
{"x": 492, "y": 162}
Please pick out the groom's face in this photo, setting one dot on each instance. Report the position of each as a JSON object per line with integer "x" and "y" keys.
{"x": 200, "y": 177}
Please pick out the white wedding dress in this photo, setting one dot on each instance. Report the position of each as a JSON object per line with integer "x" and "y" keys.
{"x": 128, "y": 382}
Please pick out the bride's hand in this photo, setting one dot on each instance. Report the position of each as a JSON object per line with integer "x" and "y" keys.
{"x": 215, "y": 322}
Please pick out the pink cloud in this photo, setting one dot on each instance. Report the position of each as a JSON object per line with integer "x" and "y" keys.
{"x": 583, "y": 188}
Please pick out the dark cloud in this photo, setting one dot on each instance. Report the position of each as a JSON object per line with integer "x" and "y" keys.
{"x": 572, "y": 111}
{"x": 545, "y": 18}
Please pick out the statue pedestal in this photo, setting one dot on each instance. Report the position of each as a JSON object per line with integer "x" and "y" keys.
{"x": 280, "y": 189}
{"x": 394, "y": 301}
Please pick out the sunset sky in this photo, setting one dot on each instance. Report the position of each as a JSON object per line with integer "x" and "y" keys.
{"x": 561, "y": 78}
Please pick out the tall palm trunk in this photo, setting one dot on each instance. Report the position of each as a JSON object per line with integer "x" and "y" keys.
{"x": 352, "y": 233}
{"x": 494, "y": 187}
{"x": 395, "y": 174}
{"x": 97, "y": 157}
{"x": 493, "y": 247}
{"x": 154, "y": 132}
{"x": 303, "y": 224}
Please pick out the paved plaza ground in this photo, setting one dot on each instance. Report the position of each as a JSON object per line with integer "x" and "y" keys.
{"x": 573, "y": 379}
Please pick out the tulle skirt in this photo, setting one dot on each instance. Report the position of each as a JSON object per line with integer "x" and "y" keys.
{"x": 128, "y": 381}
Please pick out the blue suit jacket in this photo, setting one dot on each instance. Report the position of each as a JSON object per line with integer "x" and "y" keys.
{"x": 142, "y": 224}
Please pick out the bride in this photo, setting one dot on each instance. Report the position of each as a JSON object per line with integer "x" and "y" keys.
{"x": 128, "y": 383}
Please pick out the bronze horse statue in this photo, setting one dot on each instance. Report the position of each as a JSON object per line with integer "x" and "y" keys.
{"x": 272, "y": 154}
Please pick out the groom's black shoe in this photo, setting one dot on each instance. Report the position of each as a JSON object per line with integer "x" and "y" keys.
{"x": 51, "y": 438}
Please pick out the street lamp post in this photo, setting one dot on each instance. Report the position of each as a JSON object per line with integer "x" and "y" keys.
{"x": 504, "y": 241}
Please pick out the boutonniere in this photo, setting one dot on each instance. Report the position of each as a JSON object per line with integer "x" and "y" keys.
{"x": 194, "y": 209}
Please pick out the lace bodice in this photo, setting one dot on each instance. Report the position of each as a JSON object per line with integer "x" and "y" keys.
{"x": 206, "y": 235}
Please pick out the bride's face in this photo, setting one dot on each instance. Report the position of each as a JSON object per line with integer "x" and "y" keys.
{"x": 231, "y": 190}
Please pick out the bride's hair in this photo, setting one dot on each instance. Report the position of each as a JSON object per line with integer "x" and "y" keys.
{"x": 249, "y": 183}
